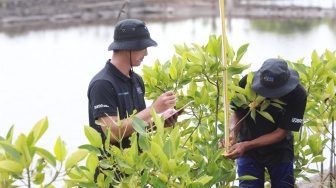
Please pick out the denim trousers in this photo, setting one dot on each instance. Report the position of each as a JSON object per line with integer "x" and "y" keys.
{"x": 281, "y": 175}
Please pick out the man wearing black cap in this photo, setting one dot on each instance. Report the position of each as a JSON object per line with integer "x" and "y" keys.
{"x": 117, "y": 91}
{"x": 262, "y": 143}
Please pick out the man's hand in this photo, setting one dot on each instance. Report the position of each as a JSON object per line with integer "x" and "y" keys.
{"x": 232, "y": 142}
{"x": 236, "y": 150}
{"x": 170, "y": 117}
{"x": 164, "y": 102}
{"x": 232, "y": 152}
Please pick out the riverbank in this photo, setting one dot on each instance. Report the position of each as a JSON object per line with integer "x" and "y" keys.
{"x": 55, "y": 13}
{"x": 32, "y": 12}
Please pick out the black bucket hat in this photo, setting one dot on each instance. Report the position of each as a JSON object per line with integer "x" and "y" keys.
{"x": 131, "y": 34}
{"x": 274, "y": 79}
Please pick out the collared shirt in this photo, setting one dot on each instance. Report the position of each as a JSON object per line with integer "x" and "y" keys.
{"x": 111, "y": 93}
{"x": 290, "y": 117}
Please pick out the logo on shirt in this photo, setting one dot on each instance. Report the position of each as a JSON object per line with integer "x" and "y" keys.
{"x": 296, "y": 120}
{"x": 139, "y": 90}
{"x": 123, "y": 93}
{"x": 101, "y": 106}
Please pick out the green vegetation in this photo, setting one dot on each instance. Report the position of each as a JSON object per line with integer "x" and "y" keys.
{"x": 188, "y": 154}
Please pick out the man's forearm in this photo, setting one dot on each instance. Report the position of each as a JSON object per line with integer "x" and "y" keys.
{"x": 125, "y": 129}
{"x": 267, "y": 139}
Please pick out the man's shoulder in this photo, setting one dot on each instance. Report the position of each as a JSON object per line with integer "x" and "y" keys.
{"x": 298, "y": 95}
{"x": 300, "y": 90}
{"x": 102, "y": 75}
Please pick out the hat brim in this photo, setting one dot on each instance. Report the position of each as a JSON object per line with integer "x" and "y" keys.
{"x": 134, "y": 45}
{"x": 275, "y": 92}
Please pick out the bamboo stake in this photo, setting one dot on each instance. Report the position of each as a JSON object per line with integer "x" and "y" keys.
{"x": 225, "y": 78}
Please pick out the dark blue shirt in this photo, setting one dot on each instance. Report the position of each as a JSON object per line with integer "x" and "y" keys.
{"x": 290, "y": 117}
{"x": 111, "y": 92}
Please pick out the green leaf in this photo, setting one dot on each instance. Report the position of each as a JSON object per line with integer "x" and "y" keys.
{"x": 144, "y": 179}
{"x": 315, "y": 59}
{"x": 315, "y": 143}
{"x": 242, "y": 98}
{"x": 167, "y": 149}
{"x": 204, "y": 179}
{"x": 11, "y": 166}
{"x": 159, "y": 128}
{"x": 93, "y": 136}
{"x": 241, "y": 51}
{"x": 179, "y": 49}
{"x": 238, "y": 69}
{"x": 331, "y": 88}
{"x": 60, "y": 150}
{"x": 9, "y": 136}
{"x": 172, "y": 165}
{"x": 92, "y": 162}
{"x": 237, "y": 89}
{"x": 259, "y": 99}
{"x": 175, "y": 139}
{"x": 15, "y": 154}
{"x": 253, "y": 114}
{"x": 143, "y": 143}
{"x": 173, "y": 72}
{"x": 139, "y": 126}
{"x": 46, "y": 155}
{"x": 213, "y": 45}
{"x": 247, "y": 177}
{"x": 194, "y": 70}
{"x": 231, "y": 175}
{"x": 90, "y": 148}
{"x": 153, "y": 81}
{"x": 38, "y": 130}
{"x": 157, "y": 183}
{"x": 38, "y": 178}
{"x": 27, "y": 153}
{"x": 134, "y": 150}
{"x": 276, "y": 105}
{"x": 181, "y": 170}
{"x": 266, "y": 115}
{"x": 195, "y": 57}
{"x": 74, "y": 173}
{"x": 148, "y": 71}
{"x": 75, "y": 157}
{"x": 157, "y": 151}
{"x": 205, "y": 96}
{"x": 318, "y": 159}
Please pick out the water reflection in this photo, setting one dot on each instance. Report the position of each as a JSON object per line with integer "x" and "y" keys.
{"x": 290, "y": 26}
{"x": 282, "y": 27}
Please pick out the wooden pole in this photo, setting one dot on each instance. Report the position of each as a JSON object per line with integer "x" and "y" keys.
{"x": 225, "y": 78}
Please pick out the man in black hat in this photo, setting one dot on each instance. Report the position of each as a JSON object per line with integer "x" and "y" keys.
{"x": 118, "y": 91}
{"x": 261, "y": 143}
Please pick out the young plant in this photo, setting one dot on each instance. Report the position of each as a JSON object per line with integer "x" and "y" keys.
{"x": 24, "y": 163}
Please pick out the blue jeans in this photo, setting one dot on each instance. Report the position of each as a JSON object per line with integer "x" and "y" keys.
{"x": 281, "y": 175}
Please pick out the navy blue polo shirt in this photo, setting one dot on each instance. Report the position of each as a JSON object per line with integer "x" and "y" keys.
{"x": 111, "y": 91}
{"x": 290, "y": 117}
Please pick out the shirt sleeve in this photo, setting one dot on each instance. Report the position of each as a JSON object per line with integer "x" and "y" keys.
{"x": 103, "y": 99}
{"x": 293, "y": 112}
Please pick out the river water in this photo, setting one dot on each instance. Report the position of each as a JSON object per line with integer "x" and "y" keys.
{"x": 46, "y": 72}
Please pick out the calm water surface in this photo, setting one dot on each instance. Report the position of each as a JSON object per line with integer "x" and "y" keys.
{"x": 46, "y": 72}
